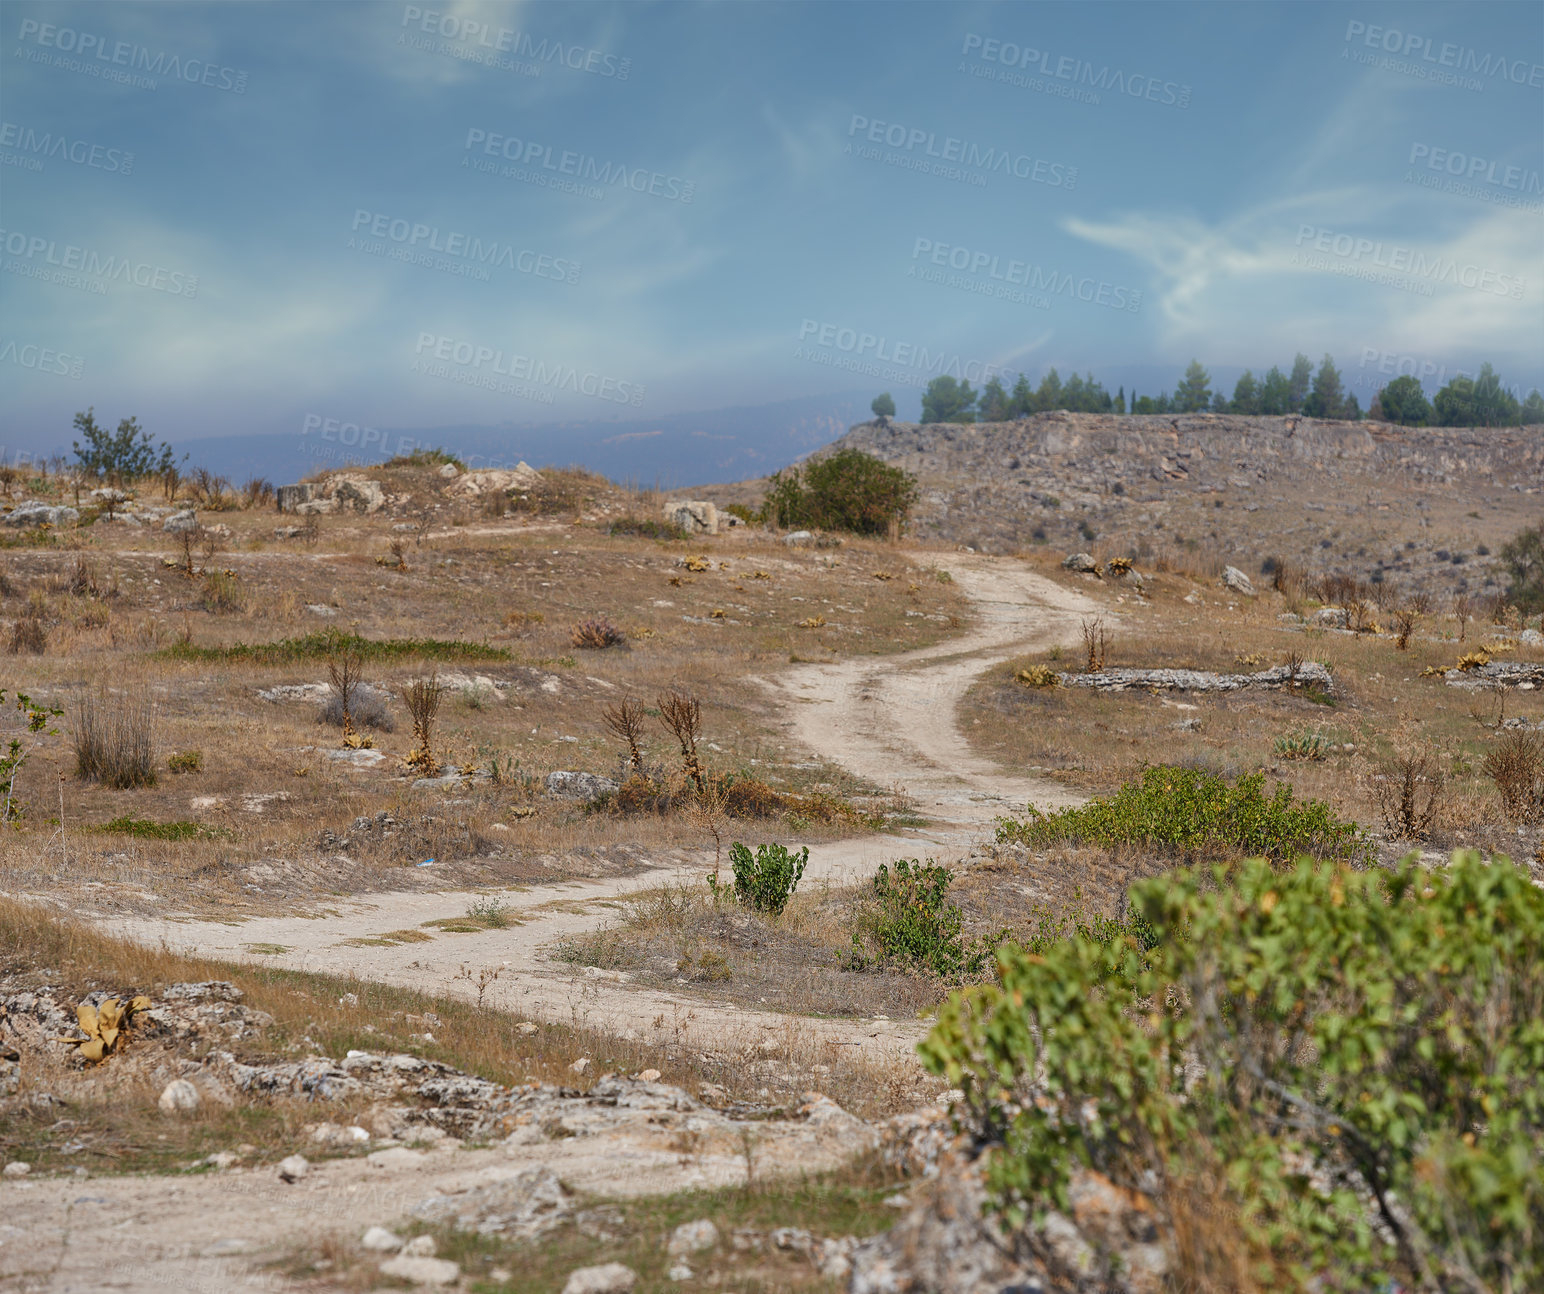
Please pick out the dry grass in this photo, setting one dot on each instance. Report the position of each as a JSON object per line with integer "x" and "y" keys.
{"x": 114, "y": 741}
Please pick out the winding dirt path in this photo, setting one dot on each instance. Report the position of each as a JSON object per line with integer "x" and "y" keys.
{"x": 888, "y": 719}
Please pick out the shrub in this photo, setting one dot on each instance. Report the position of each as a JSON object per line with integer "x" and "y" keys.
{"x": 750, "y": 797}
{"x": 1367, "y": 1112}
{"x": 848, "y": 490}
{"x": 766, "y": 880}
{"x": 185, "y": 761}
{"x": 1304, "y": 745}
{"x": 366, "y": 709}
{"x": 29, "y": 635}
{"x": 435, "y": 458}
{"x": 645, "y": 528}
{"x": 114, "y": 742}
{"x": 597, "y": 635}
{"x": 1522, "y": 557}
{"x": 423, "y": 698}
{"x": 1191, "y": 813}
{"x": 491, "y": 913}
{"x": 909, "y": 920}
{"x": 1407, "y": 791}
{"x": 1516, "y": 766}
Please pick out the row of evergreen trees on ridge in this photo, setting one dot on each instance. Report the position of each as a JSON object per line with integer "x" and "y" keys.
{"x": 1465, "y": 401}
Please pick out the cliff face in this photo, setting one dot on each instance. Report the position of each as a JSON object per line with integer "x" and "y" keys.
{"x": 1359, "y": 497}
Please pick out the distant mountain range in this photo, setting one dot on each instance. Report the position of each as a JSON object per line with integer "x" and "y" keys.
{"x": 669, "y": 452}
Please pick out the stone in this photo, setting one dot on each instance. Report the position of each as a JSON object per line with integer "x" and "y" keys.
{"x": 420, "y": 1247}
{"x": 181, "y": 521}
{"x": 288, "y": 532}
{"x": 695, "y": 516}
{"x": 381, "y": 1241}
{"x": 692, "y": 1238}
{"x": 316, "y": 507}
{"x": 1330, "y": 617}
{"x": 290, "y": 497}
{"x": 608, "y": 1278}
{"x": 566, "y": 785}
{"x": 1235, "y": 579}
{"x": 798, "y": 538}
{"x": 1309, "y": 674}
{"x": 1081, "y": 563}
{"x": 293, "y": 1168}
{"x": 357, "y": 493}
{"x": 649, "y": 1076}
{"x": 34, "y": 512}
{"x": 493, "y": 480}
{"x": 449, "y": 472}
{"x": 582, "y": 1065}
{"x": 678, "y": 1272}
{"x": 179, "y": 1097}
{"x": 422, "y": 1271}
{"x": 522, "y": 1206}
{"x": 16, "y": 1168}
{"x": 1531, "y": 638}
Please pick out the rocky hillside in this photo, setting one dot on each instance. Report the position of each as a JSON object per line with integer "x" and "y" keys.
{"x": 1423, "y": 507}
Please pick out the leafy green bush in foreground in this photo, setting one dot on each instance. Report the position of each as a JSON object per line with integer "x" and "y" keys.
{"x": 1198, "y": 815}
{"x": 1369, "y": 1099}
{"x": 910, "y": 921}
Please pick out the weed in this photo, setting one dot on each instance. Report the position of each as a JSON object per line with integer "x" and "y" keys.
{"x": 910, "y": 920}
{"x": 1516, "y": 766}
{"x": 147, "y": 829}
{"x": 625, "y": 720}
{"x": 1306, "y": 745}
{"x": 596, "y": 635}
{"x": 645, "y": 528}
{"x": 366, "y": 708}
{"x": 493, "y": 913}
{"x": 344, "y": 669}
{"x": 423, "y": 698}
{"x": 222, "y": 594}
{"x": 29, "y": 635}
{"x": 114, "y": 743}
{"x": 1038, "y": 676}
{"x": 681, "y": 716}
{"x": 185, "y": 761}
{"x": 1096, "y": 642}
{"x": 1407, "y": 790}
{"x": 1404, "y": 626}
{"x": 767, "y": 879}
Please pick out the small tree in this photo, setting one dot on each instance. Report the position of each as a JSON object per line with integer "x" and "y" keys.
{"x": 1403, "y": 401}
{"x": 119, "y": 456}
{"x": 883, "y": 408}
{"x": 1522, "y": 556}
{"x": 1328, "y": 397}
{"x": 1297, "y": 384}
{"x": 848, "y": 490}
{"x": 947, "y": 400}
{"x": 1193, "y": 393}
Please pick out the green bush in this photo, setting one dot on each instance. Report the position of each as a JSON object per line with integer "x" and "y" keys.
{"x": 1348, "y": 1065}
{"x": 849, "y": 490}
{"x": 766, "y": 880}
{"x": 1194, "y": 814}
{"x": 1522, "y": 557}
{"x": 912, "y": 922}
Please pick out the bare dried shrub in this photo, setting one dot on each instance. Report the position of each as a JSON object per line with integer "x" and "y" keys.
{"x": 81, "y": 582}
{"x": 1096, "y": 642}
{"x": 346, "y": 670}
{"x": 1408, "y": 791}
{"x": 367, "y": 709}
{"x": 1336, "y": 589}
{"x": 625, "y": 720}
{"x": 1463, "y": 610}
{"x": 1360, "y": 618}
{"x": 423, "y": 698}
{"x": 1404, "y": 626}
{"x": 29, "y": 636}
{"x": 1294, "y": 667}
{"x": 1516, "y": 766}
{"x": 682, "y": 717}
{"x": 596, "y": 635}
{"x": 222, "y": 594}
{"x": 115, "y": 742}
{"x": 257, "y": 492}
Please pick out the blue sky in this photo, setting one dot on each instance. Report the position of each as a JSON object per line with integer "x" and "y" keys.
{"x": 874, "y": 191}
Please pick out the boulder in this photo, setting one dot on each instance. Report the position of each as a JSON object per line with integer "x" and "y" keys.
{"x": 34, "y": 512}
{"x": 565, "y": 785}
{"x": 290, "y": 497}
{"x": 179, "y": 1097}
{"x": 493, "y": 480}
{"x": 798, "y": 538}
{"x": 358, "y": 493}
{"x": 178, "y": 522}
{"x": 523, "y": 1206}
{"x": 1080, "y": 562}
{"x": 449, "y": 472}
{"x": 1235, "y": 579}
{"x": 695, "y": 516}
{"x": 422, "y": 1271}
{"x": 692, "y": 1238}
{"x": 381, "y": 1241}
{"x": 293, "y": 1168}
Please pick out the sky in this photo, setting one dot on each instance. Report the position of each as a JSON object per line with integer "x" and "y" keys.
{"x": 234, "y": 219}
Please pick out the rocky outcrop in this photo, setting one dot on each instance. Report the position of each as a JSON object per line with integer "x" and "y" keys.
{"x": 346, "y": 491}
{"x": 1307, "y": 674}
{"x": 493, "y": 480}
{"x": 694, "y": 516}
{"x": 34, "y": 512}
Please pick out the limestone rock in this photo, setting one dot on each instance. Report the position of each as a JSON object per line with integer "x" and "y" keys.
{"x": 179, "y": 1097}
{"x": 381, "y": 1241}
{"x": 608, "y": 1278}
{"x": 695, "y": 516}
{"x": 422, "y": 1271}
{"x": 692, "y": 1238}
{"x": 564, "y": 785}
{"x": 1080, "y": 562}
{"x": 16, "y": 1168}
{"x": 186, "y": 519}
{"x": 798, "y": 538}
{"x": 1235, "y": 579}
{"x": 36, "y": 513}
{"x": 493, "y": 480}
{"x": 293, "y": 1168}
{"x": 523, "y": 1206}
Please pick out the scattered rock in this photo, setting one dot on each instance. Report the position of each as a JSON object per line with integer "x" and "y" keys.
{"x": 695, "y": 517}
{"x": 1235, "y": 579}
{"x": 420, "y": 1247}
{"x": 1330, "y": 617}
{"x": 34, "y": 512}
{"x": 293, "y": 1168}
{"x": 524, "y": 1206}
{"x": 692, "y": 1238}
{"x": 288, "y": 532}
{"x": 493, "y": 480}
{"x": 359, "y": 758}
{"x": 582, "y": 1065}
{"x": 422, "y": 1271}
{"x": 381, "y": 1241}
{"x": 798, "y": 538}
{"x": 1309, "y": 674}
{"x": 449, "y": 472}
{"x": 608, "y": 1278}
{"x": 185, "y": 519}
{"x": 678, "y": 1272}
{"x": 179, "y": 1097}
{"x": 564, "y": 785}
{"x": 16, "y": 1168}
{"x": 649, "y": 1076}
{"x": 1080, "y": 562}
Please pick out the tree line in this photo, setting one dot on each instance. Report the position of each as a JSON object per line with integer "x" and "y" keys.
{"x": 1479, "y": 401}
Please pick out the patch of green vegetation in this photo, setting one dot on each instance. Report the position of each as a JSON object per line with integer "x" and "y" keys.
{"x": 390, "y": 939}
{"x": 1194, "y": 814}
{"x": 149, "y": 829}
{"x": 266, "y": 950}
{"x": 1379, "y": 1025}
{"x": 319, "y": 646}
{"x": 645, "y": 528}
{"x": 910, "y": 921}
{"x": 426, "y": 458}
